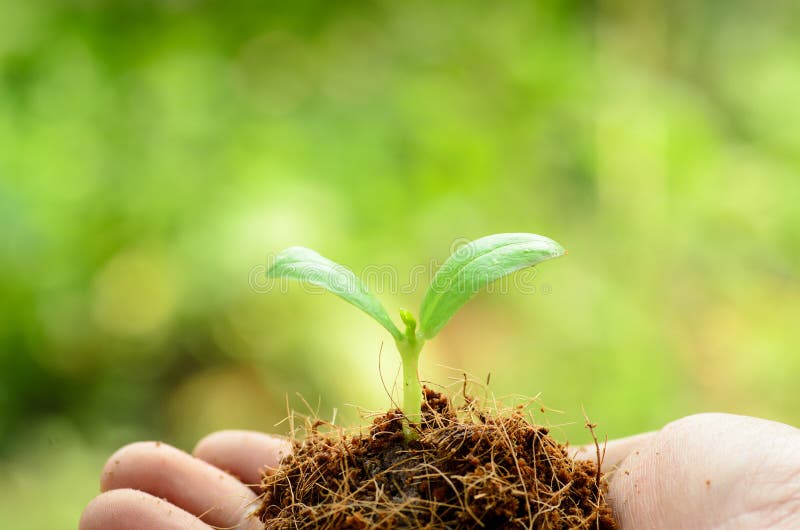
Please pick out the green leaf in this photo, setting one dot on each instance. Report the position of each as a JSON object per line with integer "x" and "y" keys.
{"x": 474, "y": 266}
{"x": 305, "y": 265}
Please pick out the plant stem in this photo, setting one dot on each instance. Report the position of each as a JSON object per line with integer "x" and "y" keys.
{"x": 410, "y": 347}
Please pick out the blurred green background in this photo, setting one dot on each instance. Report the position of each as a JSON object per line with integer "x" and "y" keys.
{"x": 154, "y": 154}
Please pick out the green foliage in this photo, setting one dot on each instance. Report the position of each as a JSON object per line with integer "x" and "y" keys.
{"x": 468, "y": 270}
{"x": 305, "y": 265}
{"x": 475, "y": 265}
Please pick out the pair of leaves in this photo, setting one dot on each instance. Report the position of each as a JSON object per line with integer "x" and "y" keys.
{"x": 462, "y": 275}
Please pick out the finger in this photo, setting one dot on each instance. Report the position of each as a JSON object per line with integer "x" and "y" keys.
{"x": 244, "y": 454}
{"x": 127, "y": 509}
{"x": 614, "y": 451}
{"x": 196, "y": 486}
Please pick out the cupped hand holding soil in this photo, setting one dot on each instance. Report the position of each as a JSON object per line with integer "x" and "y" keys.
{"x": 704, "y": 471}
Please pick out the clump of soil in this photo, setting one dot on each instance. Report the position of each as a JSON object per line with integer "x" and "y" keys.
{"x": 467, "y": 470}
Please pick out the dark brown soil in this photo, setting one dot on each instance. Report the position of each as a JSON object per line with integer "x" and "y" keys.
{"x": 465, "y": 470}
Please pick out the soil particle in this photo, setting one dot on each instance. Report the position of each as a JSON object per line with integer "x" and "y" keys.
{"x": 499, "y": 472}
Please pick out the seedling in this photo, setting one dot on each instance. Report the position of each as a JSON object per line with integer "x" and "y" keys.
{"x": 462, "y": 275}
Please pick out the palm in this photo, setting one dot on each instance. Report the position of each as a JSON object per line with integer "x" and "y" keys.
{"x": 706, "y": 471}
{"x": 710, "y": 471}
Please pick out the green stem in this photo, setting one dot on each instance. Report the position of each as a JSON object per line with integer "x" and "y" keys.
{"x": 410, "y": 346}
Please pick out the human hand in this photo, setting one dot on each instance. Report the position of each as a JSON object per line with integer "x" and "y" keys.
{"x": 152, "y": 486}
{"x": 704, "y": 471}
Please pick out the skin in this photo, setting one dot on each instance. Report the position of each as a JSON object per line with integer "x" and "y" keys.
{"x": 706, "y": 471}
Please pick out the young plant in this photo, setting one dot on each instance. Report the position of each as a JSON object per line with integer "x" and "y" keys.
{"x": 463, "y": 274}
